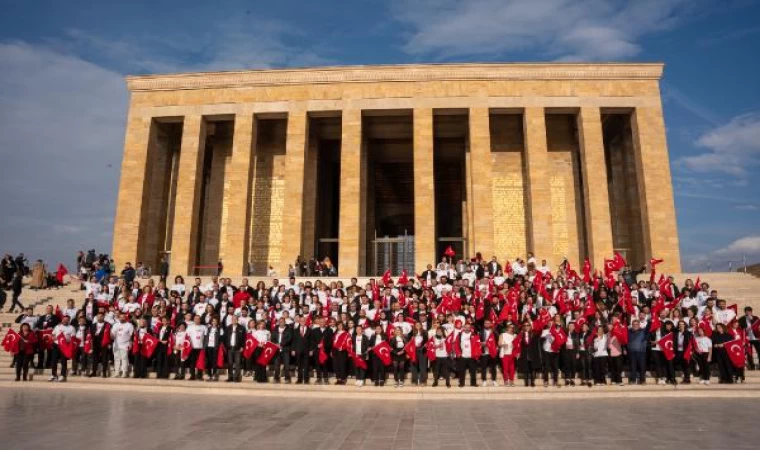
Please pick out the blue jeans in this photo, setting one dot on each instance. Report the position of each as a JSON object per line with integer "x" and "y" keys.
{"x": 638, "y": 362}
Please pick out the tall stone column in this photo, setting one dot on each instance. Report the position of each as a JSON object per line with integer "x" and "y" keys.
{"x": 481, "y": 183}
{"x": 188, "y": 197}
{"x": 658, "y": 215}
{"x": 352, "y": 225}
{"x": 424, "y": 190}
{"x": 295, "y": 162}
{"x": 538, "y": 185}
{"x": 595, "y": 196}
{"x": 132, "y": 205}
{"x": 235, "y": 243}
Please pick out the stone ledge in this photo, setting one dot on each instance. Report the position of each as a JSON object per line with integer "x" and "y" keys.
{"x": 397, "y": 73}
{"x": 390, "y": 393}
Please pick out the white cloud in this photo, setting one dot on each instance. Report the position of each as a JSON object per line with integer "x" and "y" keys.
{"x": 732, "y": 255}
{"x": 733, "y": 148}
{"x": 749, "y": 245}
{"x": 61, "y": 139}
{"x": 563, "y": 29}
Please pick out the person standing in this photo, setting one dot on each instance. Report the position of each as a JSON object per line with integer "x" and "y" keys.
{"x": 508, "y": 354}
{"x": 27, "y": 341}
{"x": 600, "y": 355}
{"x": 420, "y": 368}
{"x": 746, "y": 322}
{"x": 637, "y": 353}
{"x": 302, "y": 351}
{"x": 101, "y": 338}
{"x": 16, "y": 287}
{"x": 234, "y": 340}
{"x": 530, "y": 356}
{"x": 398, "y": 359}
{"x": 703, "y": 355}
{"x": 163, "y": 351}
{"x": 121, "y": 335}
{"x": 282, "y": 335}
{"x": 67, "y": 331}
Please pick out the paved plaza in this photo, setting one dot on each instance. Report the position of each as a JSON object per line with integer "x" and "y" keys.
{"x": 80, "y": 419}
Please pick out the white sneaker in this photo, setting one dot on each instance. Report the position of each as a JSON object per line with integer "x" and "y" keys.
{"x": 495, "y": 383}
{"x": 361, "y": 383}
{"x": 401, "y": 384}
{"x": 662, "y": 382}
{"x": 485, "y": 383}
{"x": 707, "y": 382}
{"x": 53, "y": 378}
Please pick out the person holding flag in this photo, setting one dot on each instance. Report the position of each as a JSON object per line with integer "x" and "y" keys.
{"x": 139, "y": 358}
{"x": 196, "y": 332}
{"x": 600, "y": 353}
{"x": 358, "y": 348}
{"x": 419, "y": 367}
{"x": 508, "y": 352}
{"x": 549, "y": 351}
{"x": 163, "y": 349}
{"x": 181, "y": 351}
{"x": 489, "y": 353}
{"x": 63, "y": 334}
{"x": 440, "y": 351}
{"x": 467, "y": 348}
{"x": 100, "y": 330}
{"x": 720, "y": 339}
{"x": 530, "y": 353}
{"x": 27, "y": 339}
{"x": 262, "y": 336}
{"x": 684, "y": 349}
{"x": 81, "y": 355}
{"x": 340, "y": 353}
{"x": 703, "y": 355}
{"x": 378, "y": 366}
{"x": 398, "y": 353}
{"x": 751, "y": 326}
{"x": 45, "y": 324}
{"x": 569, "y": 354}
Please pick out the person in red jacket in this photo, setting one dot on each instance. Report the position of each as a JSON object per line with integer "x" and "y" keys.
{"x": 26, "y": 348}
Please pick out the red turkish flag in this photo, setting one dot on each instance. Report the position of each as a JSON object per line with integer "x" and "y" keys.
{"x": 386, "y": 277}
{"x": 322, "y": 356}
{"x": 239, "y": 297}
{"x": 587, "y": 271}
{"x": 46, "y": 338}
{"x": 620, "y": 262}
{"x": 170, "y": 344}
{"x": 654, "y": 261}
{"x": 449, "y": 252}
{"x": 666, "y": 344}
{"x": 187, "y": 347}
{"x": 404, "y": 278}
{"x": 579, "y": 323}
{"x": 340, "y": 341}
{"x": 655, "y": 325}
{"x": 609, "y": 267}
{"x": 221, "y": 356}
{"x": 88, "y": 343}
{"x": 560, "y": 337}
{"x": 269, "y": 351}
{"x": 450, "y": 342}
{"x": 105, "y": 340}
{"x": 411, "y": 350}
{"x": 480, "y": 310}
{"x": 58, "y": 312}
{"x": 491, "y": 346}
{"x": 706, "y": 325}
{"x": 135, "y": 343}
{"x": 66, "y": 348}
{"x": 590, "y": 307}
{"x": 620, "y": 331}
{"x": 149, "y": 345}
{"x": 735, "y": 351}
{"x": 359, "y": 362}
{"x": 250, "y": 346}
{"x": 735, "y": 307}
{"x": 476, "y": 345}
{"x": 430, "y": 347}
{"x": 61, "y": 272}
{"x": 383, "y": 352}
{"x": 756, "y": 328}
{"x": 11, "y": 341}
{"x": 688, "y": 350}
{"x": 200, "y": 364}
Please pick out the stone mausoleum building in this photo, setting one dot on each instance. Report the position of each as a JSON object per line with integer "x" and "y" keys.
{"x": 386, "y": 166}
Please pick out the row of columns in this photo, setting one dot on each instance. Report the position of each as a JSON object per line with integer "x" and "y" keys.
{"x": 658, "y": 216}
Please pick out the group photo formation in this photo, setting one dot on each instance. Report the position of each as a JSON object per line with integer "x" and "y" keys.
{"x": 466, "y": 322}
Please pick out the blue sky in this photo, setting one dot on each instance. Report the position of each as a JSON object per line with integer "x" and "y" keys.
{"x": 63, "y": 101}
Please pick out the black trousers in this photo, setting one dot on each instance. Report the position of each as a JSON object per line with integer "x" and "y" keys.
{"x": 420, "y": 368}
{"x": 233, "y": 364}
{"x": 302, "y": 363}
{"x": 599, "y": 367}
{"x": 162, "y": 361}
{"x": 441, "y": 369}
{"x": 638, "y": 370}
{"x": 100, "y": 355}
{"x": 340, "y": 365}
{"x": 80, "y": 362}
{"x": 549, "y": 366}
{"x": 378, "y": 369}
{"x": 530, "y": 369}
{"x": 211, "y": 366}
{"x": 568, "y": 359}
{"x": 466, "y": 365}
{"x": 44, "y": 358}
{"x": 725, "y": 366}
{"x": 15, "y": 301}
{"x": 487, "y": 365}
{"x": 702, "y": 365}
{"x": 22, "y": 365}
{"x": 585, "y": 359}
{"x": 751, "y": 359}
{"x": 282, "y": 362}
{"x": 398, "y": 368}
{"x": 140, "y": 365}
{"x": 616, "y": 369}
{"x": 190, "y": 363}
{"x": 59, "y": 358}
{"x": 684, "y": 365}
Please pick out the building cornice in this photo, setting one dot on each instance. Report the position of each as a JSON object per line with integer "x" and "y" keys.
{"x": 396, "y": 73}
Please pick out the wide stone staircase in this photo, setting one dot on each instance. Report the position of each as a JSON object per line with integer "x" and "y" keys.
{"x": 734, "y": 287}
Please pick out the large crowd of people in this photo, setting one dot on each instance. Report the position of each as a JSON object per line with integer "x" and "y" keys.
{"x": 460, "y": 322}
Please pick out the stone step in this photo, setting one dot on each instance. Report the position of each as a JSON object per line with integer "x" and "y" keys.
{"x": 389, "y": 392}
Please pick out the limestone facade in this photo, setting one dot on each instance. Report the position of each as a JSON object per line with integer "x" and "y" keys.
{"x": 562, "y": 160}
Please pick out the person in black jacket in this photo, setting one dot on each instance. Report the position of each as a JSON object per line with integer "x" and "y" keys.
{"x": 282, "y": 335}
{"x": 569, "y": 354}
{"x": 681, "y": 341}
{"x": 100, "y": 353}
{"x": 234, "y": 341}
{"x": 530, "y": 356}
{"x": 302, "y": 350}
{"x": 360, "y": 344}
{"x": 162, "y": 351}
{"x": 16, "y": 286}
{"x": 720, "y": 338}
{"x": 420, "y": 368}
{"x": 322, "y": 336}
{"x": 46, "y": 321}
